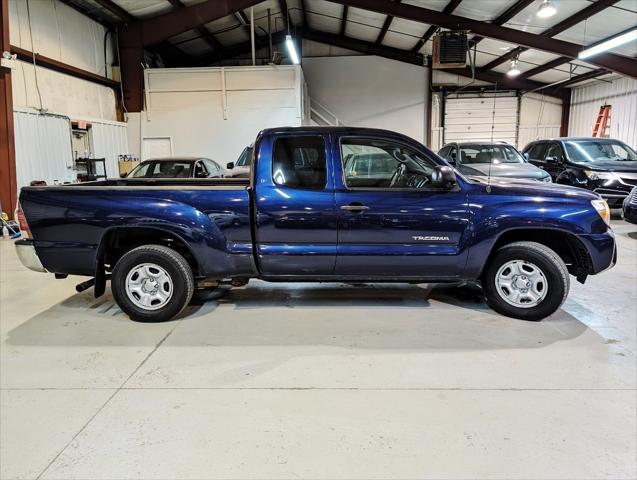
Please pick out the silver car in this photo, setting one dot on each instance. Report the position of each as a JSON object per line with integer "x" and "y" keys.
{"x": 495, "y": 159}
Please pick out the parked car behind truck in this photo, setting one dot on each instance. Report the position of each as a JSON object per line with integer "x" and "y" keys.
{"x": 305, "y": 216}
{"x": 602, "y": 165}
{"x": 491, "y": 159}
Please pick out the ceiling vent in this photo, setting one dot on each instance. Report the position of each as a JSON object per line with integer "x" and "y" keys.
{"x": 449, "y": 50}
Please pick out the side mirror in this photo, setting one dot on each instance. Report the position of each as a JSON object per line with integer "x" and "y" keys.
{"x": 230, "y": 165}
{"x": 201, "y": 174}
{"x": 443, "y": 176}
{"x": 451, "y": 160}
{"x": 552, "y": 160}
{"x": 526, "y": 156}
{"x": 123, "y": 175}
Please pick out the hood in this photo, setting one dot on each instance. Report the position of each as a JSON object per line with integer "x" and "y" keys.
{"x": 534, "y": 188}
{"x": 610, "y": 166}
{"x": 508, "y": 170}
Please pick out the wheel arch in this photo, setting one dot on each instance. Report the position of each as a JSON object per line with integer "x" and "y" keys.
{"x": 116, "y": 241}
{"x": 565, "y": 244}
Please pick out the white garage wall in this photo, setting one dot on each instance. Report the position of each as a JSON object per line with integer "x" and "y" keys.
{"x": 621, "y": 94}
{"x": 109, "y": 141}
{"x": 59, "y": 32}
{"x": 64, "y": 34}
{"x": 369, "y": 91}
{"x": 540, "y": 118}
{"x": 216, "y": 112}
{"x": 42, "y": 148}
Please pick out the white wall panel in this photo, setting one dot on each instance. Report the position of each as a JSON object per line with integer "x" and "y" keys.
{"x": 60, "y": 32}
{"x": 109, "y": 141}
{"x": 61, "y": 94}
{"x": 540, "y": 118}
{"x": 621, "y": 94}
{"x": 369, "y": 91}
{"x": 42, "y": 148}
{"x": 216, "y": 112}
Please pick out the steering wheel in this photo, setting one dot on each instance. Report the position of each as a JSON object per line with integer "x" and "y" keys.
{"x": 400, "y": 170}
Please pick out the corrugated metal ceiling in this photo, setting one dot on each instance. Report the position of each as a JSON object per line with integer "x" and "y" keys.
{"x": 403, "y": 34}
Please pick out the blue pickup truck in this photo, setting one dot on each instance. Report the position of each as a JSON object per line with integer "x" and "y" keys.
{"x": 326, "y": 204}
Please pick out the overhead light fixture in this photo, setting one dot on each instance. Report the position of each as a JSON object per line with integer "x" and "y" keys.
{"x": 609, "y": 44}
{"x": 514, "y": 71}
{"x": 289, "y": 43}
{"x": 546, "y": 9}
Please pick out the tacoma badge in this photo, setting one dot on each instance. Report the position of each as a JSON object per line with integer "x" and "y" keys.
{"x": 430, "y": 238}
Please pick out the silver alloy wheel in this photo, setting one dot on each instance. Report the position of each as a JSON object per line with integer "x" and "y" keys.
{"x": 521, "y": 284}
{"x": 149, "y": 286}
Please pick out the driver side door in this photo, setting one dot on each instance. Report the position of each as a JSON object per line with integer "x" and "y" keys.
{"x": 389, "y": 229}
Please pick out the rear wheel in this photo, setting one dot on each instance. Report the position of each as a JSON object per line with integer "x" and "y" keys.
{"x": 152, "y": 283}
{"x": 526, "y": 280}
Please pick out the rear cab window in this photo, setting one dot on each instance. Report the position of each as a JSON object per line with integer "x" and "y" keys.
{"x": 300, "y": 162}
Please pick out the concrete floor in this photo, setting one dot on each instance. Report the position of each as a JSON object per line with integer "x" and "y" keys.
{"x": 318, "y": 381}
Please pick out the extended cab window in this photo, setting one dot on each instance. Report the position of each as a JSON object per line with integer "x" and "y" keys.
{"x": 299, "y": 162}
{"x": 369, "y": 163}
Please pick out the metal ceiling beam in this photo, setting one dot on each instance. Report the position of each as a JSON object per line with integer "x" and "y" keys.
{"x": 344, "y": 20}
{"x": 287, "y": 22}
{"x": 385, "y": 27}
{"x": 116, "y": 10}
{"x": 52, "y": 64}
{"x": 156, "y": 29}
{"x": 580, "y": 78}
{"x": 449, "y": 8}
{"x": 565, "y": 24}
{"x": 304, "y": 13}
{"x": 505, "y": 16}
{"x": 616, "y": 63}
{"x": 543, "y": 68}
{"x": 208, "y": 37}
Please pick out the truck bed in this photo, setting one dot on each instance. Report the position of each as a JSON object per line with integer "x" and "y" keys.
{"x": 72, "y": 225}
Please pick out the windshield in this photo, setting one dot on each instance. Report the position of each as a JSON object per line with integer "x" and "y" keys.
{"x": 163, "y": 169}
{"x": 245, "y": 158}
{"x": 487, "y": 153}
{"x": 591, "y": 151}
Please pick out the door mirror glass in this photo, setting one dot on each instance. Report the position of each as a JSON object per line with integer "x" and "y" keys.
{"x": 443, "y": 176}
{"x": 526, "y": 156}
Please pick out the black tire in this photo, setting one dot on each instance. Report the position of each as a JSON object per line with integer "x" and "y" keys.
{"x": 550, "y": 264}
{"x": 176, "y": 267}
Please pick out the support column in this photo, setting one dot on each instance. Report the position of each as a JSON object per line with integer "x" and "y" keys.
{"x": 131, "y": 57}
{"x": 8, "y": 184}
{"x": 566, "y": 113}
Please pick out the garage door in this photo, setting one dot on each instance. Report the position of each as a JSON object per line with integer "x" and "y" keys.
{"x": 470, "y": 118}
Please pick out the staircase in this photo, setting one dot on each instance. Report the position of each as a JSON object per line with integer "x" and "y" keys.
{"x": 321, "y": 115}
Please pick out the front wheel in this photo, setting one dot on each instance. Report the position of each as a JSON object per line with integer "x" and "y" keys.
{"x": 152, "y": 283}
{"x": 526, "y": 280}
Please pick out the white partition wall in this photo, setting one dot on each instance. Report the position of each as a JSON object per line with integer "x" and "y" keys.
{"x": 216, "y": 112}
{"x": 620, "y": 94}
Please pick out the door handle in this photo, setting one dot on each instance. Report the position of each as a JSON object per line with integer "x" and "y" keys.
{"x": 354, "y": 207}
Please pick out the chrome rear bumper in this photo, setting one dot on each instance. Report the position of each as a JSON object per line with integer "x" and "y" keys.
{"x": 27, "y": 255}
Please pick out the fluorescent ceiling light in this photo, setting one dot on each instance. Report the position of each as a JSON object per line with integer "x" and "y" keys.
{"x": 546, "y": 10}
{"x": 609, "y": 44}
{"x": 514, "y": 71}
{"x": 289, "y": 43}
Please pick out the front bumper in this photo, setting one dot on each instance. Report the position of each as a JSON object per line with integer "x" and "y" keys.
{"x": 28, "y": 256}
{"x": 602, "y": 250}
{"x": 614, "y": 191}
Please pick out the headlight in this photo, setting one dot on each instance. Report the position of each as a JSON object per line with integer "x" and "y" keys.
{"x": 602, "y": 208}
{"x": 593, "y": 175}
